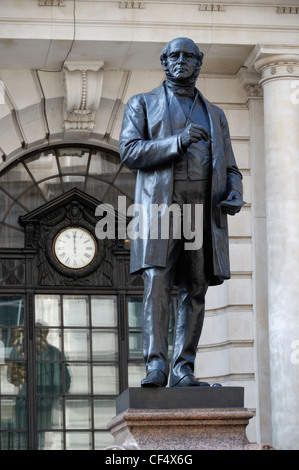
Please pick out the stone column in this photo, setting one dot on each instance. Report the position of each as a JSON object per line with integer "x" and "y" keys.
{"x": 280, "y": 81}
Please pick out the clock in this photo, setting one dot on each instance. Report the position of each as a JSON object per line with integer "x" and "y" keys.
{"x": 74, "y": 248}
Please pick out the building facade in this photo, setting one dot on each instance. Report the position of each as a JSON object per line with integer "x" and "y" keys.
{"x": 71, "y": 335}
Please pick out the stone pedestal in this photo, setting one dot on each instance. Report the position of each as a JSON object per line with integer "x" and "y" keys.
{"x": 203, "y": 418}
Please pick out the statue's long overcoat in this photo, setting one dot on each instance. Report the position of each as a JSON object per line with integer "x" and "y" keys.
{"x": 148, "y": 144}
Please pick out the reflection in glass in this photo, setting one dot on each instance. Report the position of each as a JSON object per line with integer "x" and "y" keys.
{"x": 52, "y": 375}
{"x": 54, "y": 419}
{"x": 14, "y": 441}
{"x": 50, "y": 440}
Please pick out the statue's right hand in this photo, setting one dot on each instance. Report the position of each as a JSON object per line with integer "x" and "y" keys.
{"x": 193, "y": 133}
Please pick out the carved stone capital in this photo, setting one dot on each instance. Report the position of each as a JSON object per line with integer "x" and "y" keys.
{"x": 278, "y": 67}
{"x": 83, "y": 83}
{"x": 250, "y": 83}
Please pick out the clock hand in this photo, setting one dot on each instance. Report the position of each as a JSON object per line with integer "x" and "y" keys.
{"x": 74, "y": 238}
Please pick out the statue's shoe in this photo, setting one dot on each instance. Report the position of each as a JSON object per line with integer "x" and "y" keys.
{"x": 155, "y": 378}
{"x": 190, "y": 381}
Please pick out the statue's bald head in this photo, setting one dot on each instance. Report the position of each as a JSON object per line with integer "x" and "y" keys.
{"x": 176, "y": 43}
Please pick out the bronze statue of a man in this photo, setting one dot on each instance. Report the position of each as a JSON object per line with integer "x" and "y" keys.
{"x": 180, "y": 144}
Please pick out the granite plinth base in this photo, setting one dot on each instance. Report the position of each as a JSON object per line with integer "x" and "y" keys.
{"x": 139, "y": 426}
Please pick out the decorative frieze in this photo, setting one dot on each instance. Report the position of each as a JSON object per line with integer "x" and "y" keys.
{"x": 83, "y": 83}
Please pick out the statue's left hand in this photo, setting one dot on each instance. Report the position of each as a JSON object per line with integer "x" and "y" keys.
{"x": 231, "y": 209}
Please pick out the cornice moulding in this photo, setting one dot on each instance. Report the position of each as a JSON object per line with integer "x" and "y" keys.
{"x": 263, "y": 53}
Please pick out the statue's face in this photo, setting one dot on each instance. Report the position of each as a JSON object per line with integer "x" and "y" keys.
{"x": 181, "y": 59}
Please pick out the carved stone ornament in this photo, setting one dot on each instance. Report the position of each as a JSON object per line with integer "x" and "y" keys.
{"x": 83, "y": 83}
{"x": 51, "y": 3}
{"x": 139, "y": 5}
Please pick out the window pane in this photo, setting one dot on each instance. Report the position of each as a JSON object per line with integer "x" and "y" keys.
{"x": 96, "y": 188}
{"x": 78, "y": 414}
{"x": 126, "y": 181}
{"x": 136, "y": 372}
{"x": 104, "y": 164}
{"x": 102, "y": 440}
{"x": 75, "y": 310}
{"x": 49, "y": 378}
{"x": 76, "y": 344}
{"x": 135, "y": 344}
{"x": 104, "y": 411}
{"x": 78, "y": 441}
{"x": 135, "y": 311}
{"x": 6, "y": 203}
{"x": 42, "y": 165}
{"x": 14, "y": 441}
{"x": 16, "y": 180}
{"x": 32, "y": 199}
{"x": 103, "y": 310}
{"x": 15, "y": 212}
{"x": 105, "y": 379}
{"x": 11, "y": 237}
{"x": 50, "y": 441}
{"x": 6, "y": 386}
{"x": 73, "y": 160}
{"x": 80, "y": 379}
{"x": 49, "y": 413}
{"x": 75, "y": 181}
{"x": 51, "y": 188}
{"x": 14, "y": 413}
{"x": 47, "y": 310}
{"x": 105, "y": 345}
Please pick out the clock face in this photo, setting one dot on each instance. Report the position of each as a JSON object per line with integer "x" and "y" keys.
{"x": 74, "y": 248}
